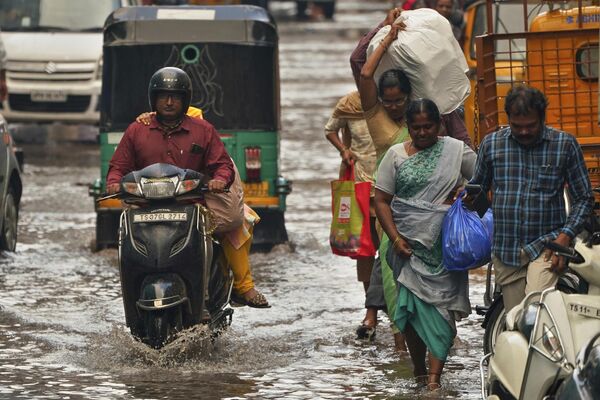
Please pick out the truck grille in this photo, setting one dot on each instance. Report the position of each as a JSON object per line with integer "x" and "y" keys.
{"x": 22, "y": 102}
{"x": 51, "y": 71}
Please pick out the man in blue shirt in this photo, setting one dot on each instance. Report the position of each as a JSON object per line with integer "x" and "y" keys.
{"x": 527, "y": 166}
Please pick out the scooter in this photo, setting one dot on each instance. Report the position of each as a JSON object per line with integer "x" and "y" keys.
{"x": 493, "y": 310}
{"x": 173, "y": 273}
{"x": 536, "y": 356}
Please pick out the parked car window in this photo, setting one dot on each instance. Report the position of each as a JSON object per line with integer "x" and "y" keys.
{"x": 41, "y": 15}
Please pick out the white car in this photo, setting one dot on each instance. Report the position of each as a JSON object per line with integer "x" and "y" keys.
{"x": 54, "y": 50}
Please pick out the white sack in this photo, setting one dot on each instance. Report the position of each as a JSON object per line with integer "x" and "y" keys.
{"x": 429, "y": 55}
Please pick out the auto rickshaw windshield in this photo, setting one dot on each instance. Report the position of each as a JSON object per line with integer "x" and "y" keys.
{"x": 230, "y": 58}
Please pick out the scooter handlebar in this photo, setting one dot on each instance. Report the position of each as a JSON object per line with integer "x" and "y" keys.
{"x": 204, "y": 189}
{"x": 570, "y": 253}
{"x": 106, "y": 196}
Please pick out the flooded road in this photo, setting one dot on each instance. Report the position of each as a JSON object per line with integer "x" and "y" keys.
{"x": 62, "y": 333}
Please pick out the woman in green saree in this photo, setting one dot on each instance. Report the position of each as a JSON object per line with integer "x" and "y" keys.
{"x": 384, "y": 106}
{"x": 416, "y": 181}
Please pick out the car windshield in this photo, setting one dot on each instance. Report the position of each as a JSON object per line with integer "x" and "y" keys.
{"x": 55, "y": 15}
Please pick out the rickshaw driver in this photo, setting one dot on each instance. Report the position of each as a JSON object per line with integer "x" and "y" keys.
{"x": 187, "y": 143}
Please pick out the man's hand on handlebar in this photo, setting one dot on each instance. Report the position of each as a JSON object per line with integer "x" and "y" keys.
{"x": 216, "y": 186}
{"x": 559, "y": 263}
{"x": 113, "y": 188}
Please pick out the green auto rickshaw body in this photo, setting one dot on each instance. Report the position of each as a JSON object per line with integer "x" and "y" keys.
{"x": 231, "y": 55}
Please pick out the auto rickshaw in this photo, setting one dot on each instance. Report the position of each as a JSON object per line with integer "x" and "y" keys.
{"x": 231, "y": 54}
{"x": 552, "y": 46}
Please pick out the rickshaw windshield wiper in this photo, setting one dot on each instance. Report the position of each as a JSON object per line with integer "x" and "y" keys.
{"x": 38, "y": 28}
{"x": 93, "y": 29}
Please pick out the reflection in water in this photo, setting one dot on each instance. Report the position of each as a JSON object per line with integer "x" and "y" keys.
{"x": 62, "y": 333}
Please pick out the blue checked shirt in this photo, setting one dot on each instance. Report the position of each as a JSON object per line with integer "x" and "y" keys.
{"x": 527, "y": 186}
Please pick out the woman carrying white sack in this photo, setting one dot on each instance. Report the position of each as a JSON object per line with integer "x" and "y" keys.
{"x": 423, "y": 83}
{"x": 384, "y": 108}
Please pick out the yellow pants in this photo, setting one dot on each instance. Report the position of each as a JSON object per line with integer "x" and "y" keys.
{"x": 239, "y": 261}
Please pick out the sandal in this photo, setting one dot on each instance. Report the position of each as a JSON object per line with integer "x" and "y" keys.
{"x": 434, "y": 386}
{"x": 366, "y": 331}
{"x": 257, "y": 301}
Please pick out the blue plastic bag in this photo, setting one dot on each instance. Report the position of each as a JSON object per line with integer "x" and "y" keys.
{"x": 488, "y": 222}
{"x": 466, "y": 241}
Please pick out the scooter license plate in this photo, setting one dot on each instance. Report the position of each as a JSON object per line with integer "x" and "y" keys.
{"x": 160, "y": 217}
{"x": 586, "y": 311}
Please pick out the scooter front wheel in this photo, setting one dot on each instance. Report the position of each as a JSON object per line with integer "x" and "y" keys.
{"x": 495, "y": 325}
{"x": 161, "y": 325}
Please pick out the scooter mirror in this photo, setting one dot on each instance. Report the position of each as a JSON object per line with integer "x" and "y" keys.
{"x": 594, "y": 240}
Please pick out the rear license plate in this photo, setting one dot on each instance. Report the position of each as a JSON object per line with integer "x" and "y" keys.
{"x": 160, "y": 217}
{"x": 259, "y": 189}
{"x": 586, "y": 311}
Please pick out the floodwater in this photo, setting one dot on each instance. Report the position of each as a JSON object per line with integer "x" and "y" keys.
{"x": 62, "y": 333}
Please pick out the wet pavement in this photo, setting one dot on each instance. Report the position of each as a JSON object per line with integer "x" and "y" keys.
{"x": 62, "y": 333}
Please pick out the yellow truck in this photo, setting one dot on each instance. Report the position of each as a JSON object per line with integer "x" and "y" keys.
{"x": 552, "y": 46}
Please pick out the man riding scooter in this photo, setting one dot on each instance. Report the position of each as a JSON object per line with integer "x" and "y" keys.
{"x": 175, "y": 138}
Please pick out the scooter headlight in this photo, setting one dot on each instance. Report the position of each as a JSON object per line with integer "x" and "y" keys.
{"x": 187, "y": 185}
{"x": 158, "y": 188}
{"x": 552, "y": 344}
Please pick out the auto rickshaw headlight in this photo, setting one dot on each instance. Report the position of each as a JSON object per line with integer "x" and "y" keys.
{"x": 187, "y": 185}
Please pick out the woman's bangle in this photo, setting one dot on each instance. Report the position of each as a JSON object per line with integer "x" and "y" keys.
{"x": 343, "y": 150}
{"x": 396, "y": 241}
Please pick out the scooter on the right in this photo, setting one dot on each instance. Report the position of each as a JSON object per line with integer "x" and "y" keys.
{"x": 549, "y": 349}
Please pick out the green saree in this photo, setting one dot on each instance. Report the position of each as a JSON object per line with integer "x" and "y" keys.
{"x": 419, "y": 291}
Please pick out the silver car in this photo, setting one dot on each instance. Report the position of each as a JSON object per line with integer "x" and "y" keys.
{"x": 10, "y": 189}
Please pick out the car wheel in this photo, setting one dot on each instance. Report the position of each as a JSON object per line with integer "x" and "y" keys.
{"x": 10, "y": 217}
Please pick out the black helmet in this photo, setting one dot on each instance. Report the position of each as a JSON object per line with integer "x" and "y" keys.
{"x": 170, "y": 79}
